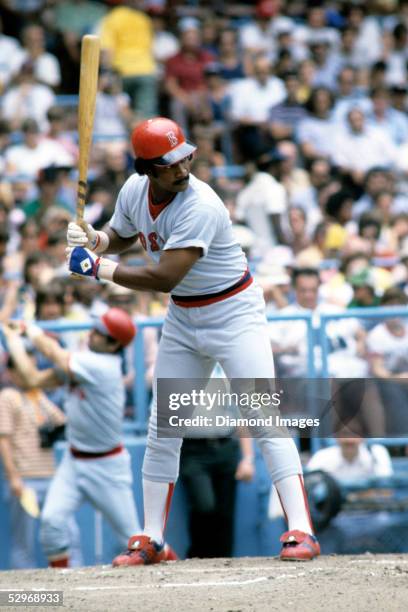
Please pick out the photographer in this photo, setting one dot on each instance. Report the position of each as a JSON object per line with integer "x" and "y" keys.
{"x": 28, "y": 425}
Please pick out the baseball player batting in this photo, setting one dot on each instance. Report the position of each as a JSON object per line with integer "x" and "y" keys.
{"x": 216, "y": 314}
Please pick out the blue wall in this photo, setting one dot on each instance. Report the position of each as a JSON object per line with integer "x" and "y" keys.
{"x": 255, "y": 534}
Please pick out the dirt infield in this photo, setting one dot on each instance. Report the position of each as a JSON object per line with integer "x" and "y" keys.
{"x": 372, "y": 583}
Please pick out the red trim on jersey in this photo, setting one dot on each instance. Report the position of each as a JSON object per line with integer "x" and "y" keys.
{"x": 168, "y": 504}
{"x": 156, "y": 209}
{"x": 191, "y": 301}
{"x": 85, "y": 455}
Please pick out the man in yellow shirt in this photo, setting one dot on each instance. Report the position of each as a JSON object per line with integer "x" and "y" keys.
{"x": 127, "y": 44}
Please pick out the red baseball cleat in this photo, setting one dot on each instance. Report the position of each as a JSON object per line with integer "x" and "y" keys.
{"x": 141, "y": 551}
{"x": 298, "y": 546}
{"x": 170, "y": 554}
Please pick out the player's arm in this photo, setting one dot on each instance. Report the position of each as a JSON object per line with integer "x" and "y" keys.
{"x": 163, "y": 276}
{"x": 48, "y": 346}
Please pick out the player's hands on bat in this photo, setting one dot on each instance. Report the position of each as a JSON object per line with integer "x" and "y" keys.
{"x": 83, "y": 262}
{"x": 82, "y": 236}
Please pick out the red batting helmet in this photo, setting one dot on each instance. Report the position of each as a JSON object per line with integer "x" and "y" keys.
{"x": 118, "y": 324}
{"x": 160, "y": 140}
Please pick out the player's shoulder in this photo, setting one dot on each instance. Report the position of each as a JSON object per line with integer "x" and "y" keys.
{"x": 134, "y": 183}
{"x": 201, "y": 195}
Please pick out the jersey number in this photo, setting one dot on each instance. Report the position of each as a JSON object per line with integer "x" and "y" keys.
{"x": 152, "y": 238}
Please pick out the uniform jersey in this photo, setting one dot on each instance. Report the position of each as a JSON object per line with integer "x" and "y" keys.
{"x": 193, "y": 218}
{"x": 95, "y": 404}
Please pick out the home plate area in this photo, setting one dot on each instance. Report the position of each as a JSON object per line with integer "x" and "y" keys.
{"x": 347, "y": 583}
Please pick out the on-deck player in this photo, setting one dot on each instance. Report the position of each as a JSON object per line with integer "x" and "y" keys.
{"x": 96, "y": 467}
{"x": 216, "y": 314}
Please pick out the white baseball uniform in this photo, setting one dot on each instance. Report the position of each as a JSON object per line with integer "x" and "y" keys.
{"x": 95, "y": 468}
{"x": 216, "y": 312}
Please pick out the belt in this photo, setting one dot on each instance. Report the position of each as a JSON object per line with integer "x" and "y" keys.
{"x": 191, "y": 301}
{"x": 85, "y": 455}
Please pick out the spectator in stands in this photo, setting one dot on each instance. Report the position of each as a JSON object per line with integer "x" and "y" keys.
{"x": 48, "y": 183}
{"x": 346, "y": 337}
{"x": 184, "y": 77}
{"x": 165, "y": 43}
{"x": 57, "y": 130}
{"x": 127, "y": 42}
{"x": 259, "y": 35}
{"x": 359, "y": 147}
{"x": 262, "y": 201}
{"x": 315, "y": 27}
{"x": 349, "y": 94}
{"x": 285, "y": 116}
{"x": 397, "y": 55}
{"x": 10, "y": 53}
{"x": 315, "y": 132}
{"x": 296, "y": 235}
{"x": 28, "y": 460}
{"x": 28, "y": 99}
{"x": 35, "y": 153}
{"x": 113, "y": 115}
{"x": 351, "y": 458}
{"x": 46, "y": 66}
{"x": 326, "y": 64}
{"x": 293, "y": 178}
{"x": 252, "y": 99}
{"x": 383, "y": 116}
{"x": 368, "y": 44}
{"x": 234, "y": 63}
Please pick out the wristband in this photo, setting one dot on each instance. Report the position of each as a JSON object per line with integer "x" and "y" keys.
{"x": 101, "y": 242}
{"x": 105, "y": 268}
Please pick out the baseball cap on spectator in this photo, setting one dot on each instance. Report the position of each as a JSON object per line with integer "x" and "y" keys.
{"x": 266, "y": 9}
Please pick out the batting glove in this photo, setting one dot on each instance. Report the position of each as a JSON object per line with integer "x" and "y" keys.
{"x": 84, "y": 262}
{"x": 87, "y": 237}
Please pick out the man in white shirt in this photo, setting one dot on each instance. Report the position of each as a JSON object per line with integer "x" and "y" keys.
{"x": 35, "y": 153}
{"x": 352, "y": 459}
{"x": 261, "y": 203}
{"x": 358, "y": 148}
{"x": 251, "y": 101}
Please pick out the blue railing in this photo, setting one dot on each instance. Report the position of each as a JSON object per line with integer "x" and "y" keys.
{"x": 314, "y": 335}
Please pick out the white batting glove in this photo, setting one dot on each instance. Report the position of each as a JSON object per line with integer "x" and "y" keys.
{"x": 77, "y": 236}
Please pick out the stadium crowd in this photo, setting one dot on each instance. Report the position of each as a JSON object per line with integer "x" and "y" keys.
{"x": 300, "y": 113}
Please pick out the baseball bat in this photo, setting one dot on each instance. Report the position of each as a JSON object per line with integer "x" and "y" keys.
{"x": 88, "y": 82}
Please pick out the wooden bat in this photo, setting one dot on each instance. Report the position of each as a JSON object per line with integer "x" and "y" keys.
{"x": 88, "y": 82}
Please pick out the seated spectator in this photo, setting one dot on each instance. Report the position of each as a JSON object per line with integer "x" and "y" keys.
{"x": 294, "y": 179}
{"x": 234, "y": 63}
{"x": 259, "y": 35}
{"x": 57, "y": 132}
{"x": 165, "y": 43}
{"x": 261, "y": 203}
{"x": 127, "y": 42}
{"x": 349, "y": 94}
{"x": 46, "y": 66}
{"x": 296, "y": 235}
{"x": 359, "y": 148}
{"x": 184, "y": 77}
{"x": 9, "y": 52}
{"x": 48, "y": 183}
{"x": 252, "y": 99}
{"x": 288, "y": 338}
{"x": 326, "y": 63}
{"x": 351, "y": 458}
{"x": 35, "y": 153}
{"x": 113, "y": 115}
{"x": 382, "y": 115}
{"x": 27, "y": 99}
{"x": 315, "y": 132}
{"x": 285, "y": 117}
{"x": 315, "y": 27}
{"x": 388, "y": 353}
